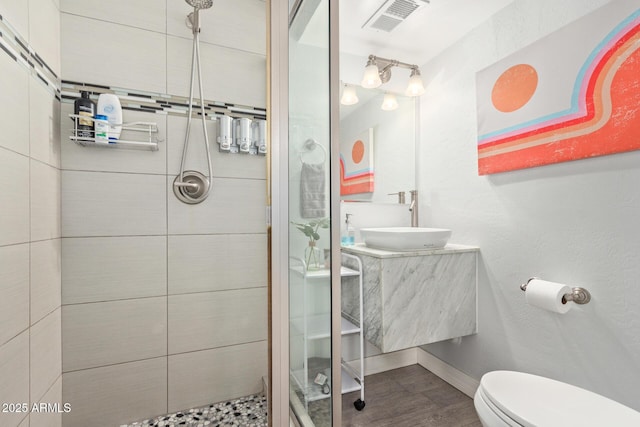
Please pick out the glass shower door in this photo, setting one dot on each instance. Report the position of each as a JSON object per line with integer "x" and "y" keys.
{"x": 309, "y": 213}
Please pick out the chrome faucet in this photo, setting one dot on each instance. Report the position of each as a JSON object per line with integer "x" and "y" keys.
{"x": 413, "y": 208}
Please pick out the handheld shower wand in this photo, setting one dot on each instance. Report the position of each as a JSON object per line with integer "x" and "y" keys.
{"x": 192, "y": 186}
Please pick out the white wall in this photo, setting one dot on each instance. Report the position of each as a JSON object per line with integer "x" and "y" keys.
{"x": 572, "y": 222}
{"x": 30, "y": 318}
{"x": 164, "y": 304}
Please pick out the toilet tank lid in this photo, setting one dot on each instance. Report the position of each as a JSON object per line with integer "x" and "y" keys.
{"x": 533, "y": 401}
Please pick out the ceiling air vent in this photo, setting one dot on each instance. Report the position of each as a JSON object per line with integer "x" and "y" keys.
{"x": 392, "y": 13}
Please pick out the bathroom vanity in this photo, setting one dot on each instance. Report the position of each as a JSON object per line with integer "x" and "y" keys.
{"x": 414, "y": 298}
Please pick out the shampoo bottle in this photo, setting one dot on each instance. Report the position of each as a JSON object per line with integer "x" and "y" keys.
{"x": 84, "y": 107}
{"x": 109, "y": 105}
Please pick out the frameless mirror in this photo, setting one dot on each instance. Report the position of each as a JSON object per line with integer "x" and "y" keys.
{"x": 377, "y": 146}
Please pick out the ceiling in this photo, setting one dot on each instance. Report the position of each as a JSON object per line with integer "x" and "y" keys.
{"x": 424, "y": 34}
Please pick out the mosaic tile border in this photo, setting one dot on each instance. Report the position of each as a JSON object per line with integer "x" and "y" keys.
{"x": 160, "y": 103}
{"x": 16, "y": 47}
{"x": 249, "y": 411}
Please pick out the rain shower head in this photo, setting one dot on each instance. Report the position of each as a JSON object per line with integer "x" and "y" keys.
{"x": 200, "y": 4}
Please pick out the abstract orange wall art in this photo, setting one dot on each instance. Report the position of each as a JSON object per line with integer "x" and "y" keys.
{"x": 356, "y": 164}
{"x": 571, "y": 95}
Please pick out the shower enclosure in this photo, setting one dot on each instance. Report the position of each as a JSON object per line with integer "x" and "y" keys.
{"x": 164, "y": 303}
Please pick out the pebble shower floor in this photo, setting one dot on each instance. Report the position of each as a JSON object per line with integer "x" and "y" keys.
{"x": 250, "y": 411}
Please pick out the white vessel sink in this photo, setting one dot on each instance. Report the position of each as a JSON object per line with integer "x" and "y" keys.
{"x": 405, "y": 238}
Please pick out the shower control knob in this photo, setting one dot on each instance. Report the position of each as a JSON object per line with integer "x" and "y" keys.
{"x": 192, "y": 187}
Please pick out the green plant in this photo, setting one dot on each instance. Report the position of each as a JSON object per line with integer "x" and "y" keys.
{"x": 310, "y": 229}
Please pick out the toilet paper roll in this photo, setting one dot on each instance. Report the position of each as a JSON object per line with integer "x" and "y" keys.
{"x": 547, "y": 295}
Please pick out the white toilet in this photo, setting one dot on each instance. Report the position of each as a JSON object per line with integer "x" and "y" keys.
{"x": 507, "y": 398}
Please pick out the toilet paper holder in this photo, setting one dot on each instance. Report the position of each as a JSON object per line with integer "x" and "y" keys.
{"x": 578, "y": 295}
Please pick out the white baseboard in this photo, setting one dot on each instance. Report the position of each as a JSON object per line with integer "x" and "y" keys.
{"x": 448, "y": 373}
{"x": 387, "y": 361}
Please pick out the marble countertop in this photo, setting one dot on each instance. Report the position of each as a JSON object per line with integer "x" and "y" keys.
{"x": 362, "y": 249}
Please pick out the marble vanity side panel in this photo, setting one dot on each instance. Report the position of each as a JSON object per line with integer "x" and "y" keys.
{"x": 373, "y": 315}
{"x": 435, "y": 301}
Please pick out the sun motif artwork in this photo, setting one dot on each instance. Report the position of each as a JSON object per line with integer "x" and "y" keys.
{"x": 357, "y": 152}
{"x": 572, "y": 95}
{"x": 514, "y": 88}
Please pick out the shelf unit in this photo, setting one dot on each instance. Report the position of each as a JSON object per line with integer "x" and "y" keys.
{"x": 317, "y": 327}
{"x": 148, "y": 128}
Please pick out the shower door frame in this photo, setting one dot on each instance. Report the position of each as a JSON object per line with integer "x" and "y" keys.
{"x": 278, "y": 209}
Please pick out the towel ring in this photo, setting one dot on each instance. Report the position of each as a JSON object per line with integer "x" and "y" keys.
{"x": 310, "y": 145}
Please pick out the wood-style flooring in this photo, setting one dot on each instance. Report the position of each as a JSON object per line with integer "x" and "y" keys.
{"x": 409, "y": 397}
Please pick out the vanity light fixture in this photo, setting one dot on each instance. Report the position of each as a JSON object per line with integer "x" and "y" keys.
{"x": 378, "y": 71}
{"x": 415, "y": 87}
{"x": 371, "y": 78}
{"x": 349, "y": 95}
{"x": 390, "y": 102}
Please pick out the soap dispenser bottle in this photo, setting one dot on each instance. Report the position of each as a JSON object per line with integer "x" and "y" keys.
{"x": 351, "y": 232}
{"x": 347, "y": 235}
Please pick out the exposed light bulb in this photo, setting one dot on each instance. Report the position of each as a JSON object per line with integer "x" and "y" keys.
{"x": 415, "y": 87}
{"x": 390, "y": 102}
{"x": 349, "y": 96}
{"x": 371, "y": 78}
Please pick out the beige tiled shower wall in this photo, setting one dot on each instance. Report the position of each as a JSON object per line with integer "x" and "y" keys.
{"x": 164, "y": 305}
{"x": 30, "y": 246}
